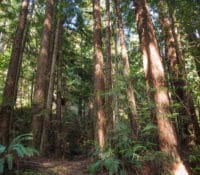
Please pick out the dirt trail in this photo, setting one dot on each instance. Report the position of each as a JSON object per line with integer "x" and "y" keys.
{"x": 58, "y": 167}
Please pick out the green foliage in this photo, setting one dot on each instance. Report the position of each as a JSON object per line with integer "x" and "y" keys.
{"x": 16, "y": 149}
{"x": 194, "y": 160}
{"x": 108, "y": 161}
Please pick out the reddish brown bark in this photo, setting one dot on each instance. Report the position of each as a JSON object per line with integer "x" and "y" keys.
{"x": 10, "y": 89}
{"x": 154, "y": 73}
{"x": 126, "y": 71}
{"x": 178, "y": 78}
{"x": 99, "y": 86}
{"x": 109, "y": 98}
{"x": 41, "y": 75}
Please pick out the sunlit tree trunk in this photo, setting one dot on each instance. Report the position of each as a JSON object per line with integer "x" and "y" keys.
{"x": 178, "y": 76}
{"x": 109, "y": 98}
{"x": 39, "y": 104}
{"x": 126, "y": 72}
{"x": 10, "y": 89}
{"x": 154, "y": 73}
{"x": 99, "y": 76}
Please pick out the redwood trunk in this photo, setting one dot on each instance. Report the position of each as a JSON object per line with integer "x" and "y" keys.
{"x": 41, "y": 76}
{"x": 46, "y": 124}
{"x": 59, "y": 92}
{"x": 126, "y": 72}
{"x": 10, "y": 89}
{"x": 179, "y": 77}
{"x": 154, "y": 73}
{"x": 109, "y": 99}
{"x": 99, "y": 76}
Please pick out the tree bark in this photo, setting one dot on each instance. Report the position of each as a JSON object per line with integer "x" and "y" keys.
{"x": 39, "y": 104}
{"x": 178, "y": 78}
{"x": 155, "y": 77}
{"x": 126, "y": 71}
{"x": 10, "y": 89}
{"x": 59, "y": 91}
{"x": 183, "y": 93}
{"x": 109, "y": 97}
{"x": 46, "y": 124}
{"x": 99, "y": 86}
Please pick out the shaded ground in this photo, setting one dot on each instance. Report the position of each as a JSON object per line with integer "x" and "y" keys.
{"x": 56, "y": 167}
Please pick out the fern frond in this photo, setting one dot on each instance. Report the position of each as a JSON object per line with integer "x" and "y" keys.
{"x": 22, "y": 137}
{"x": 2, "y": 149}
{"x": 2, "y": 161}
{"x": 19, "y": 149}
{"x": 31, "y": 151}
{"x": 9, "y": 160}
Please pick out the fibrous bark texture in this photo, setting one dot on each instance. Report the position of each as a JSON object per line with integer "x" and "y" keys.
{"x": 109, "y": 99}
{"x": 10, "y": 89}
{"x": 99, "y": 76}
{"x": 178, "y": 77}
{"x": 41, "y": 75}
{"x": 126, "y": 72}
{"x": 154, "y": 73}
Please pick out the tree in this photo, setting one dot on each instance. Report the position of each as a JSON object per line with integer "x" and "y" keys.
{"x": 46, "y": 126}
{"x": 39, "y": 101}
{"x": 99, "y": 76}
{"x": 126, "y": 72}
{"x": 59, "y": 89}
{"x": 155, "y": 79}
{"x": 178, "y": 76}
{"x": 10, "y": 89}
{"x": 109, "y": 99}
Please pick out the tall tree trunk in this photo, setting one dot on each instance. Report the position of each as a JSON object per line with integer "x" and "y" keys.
{"x": 9, "y": 94}
{"x": 45, "y": 130}
{"x": 59, "y": 91}
{"x": 99, "y": 76}
{"x": 109, "y": 99}
{"x": 126, "y": 72}
{"x": 155, "y": 77}
{"x": 39, "y": 104}
{"x": 178, "y": 78}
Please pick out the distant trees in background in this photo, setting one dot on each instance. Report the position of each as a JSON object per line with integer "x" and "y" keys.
{"x": 119, "y": 76}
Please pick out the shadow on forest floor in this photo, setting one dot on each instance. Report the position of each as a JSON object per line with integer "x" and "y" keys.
{"x": 45, "y": 166}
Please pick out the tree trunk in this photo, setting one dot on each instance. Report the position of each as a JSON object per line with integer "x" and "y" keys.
{"x": 59, "y": 91}
{"x": 39, "y": 104}
{"x": 109, "y": 98}
{"x": 99, "y": 76}
{"x": 45, "y": 130}
{"x": 10, "y": 89}
{"x": 126, "y": 72}
{"x": 183, "y": 93}
{"x": 155, "y": 77}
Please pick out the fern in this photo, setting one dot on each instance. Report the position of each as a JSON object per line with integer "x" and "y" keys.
{"x": 16, "y": 148}
{"x": 9, "y": 160}
{"x": 2, "y": 161}
{"x": 2, "y": 149}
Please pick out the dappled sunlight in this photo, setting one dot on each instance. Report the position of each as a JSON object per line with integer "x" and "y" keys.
{"x": 179, "y": 169}
{"x": 62, "y": 167}
{"x": 47, "y": 23}
{"x": 157, "y": 67}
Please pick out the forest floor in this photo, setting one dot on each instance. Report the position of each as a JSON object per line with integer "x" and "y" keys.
{"x": 57, "y": 167}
